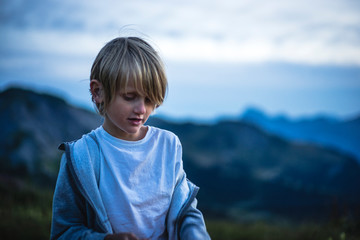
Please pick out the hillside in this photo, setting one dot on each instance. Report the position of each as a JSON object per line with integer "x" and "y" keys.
{"x": 35, "y": 125}
{"x": 244, "y": 173}
{"x": 248, "y": 174}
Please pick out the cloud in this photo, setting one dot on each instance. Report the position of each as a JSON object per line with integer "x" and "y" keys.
{"x": 310, "y": 32}
{"x": 285, "y": 48}
{"x": 258, "y": 31}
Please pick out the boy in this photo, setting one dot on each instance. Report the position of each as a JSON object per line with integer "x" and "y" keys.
{"x": 125, "y": 180}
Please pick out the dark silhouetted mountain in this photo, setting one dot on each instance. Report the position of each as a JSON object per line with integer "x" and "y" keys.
{"x": 244, "y": 172}
{"x": 343, "y": 135}
{"x": 33, "y": 125}
{"x": 249, "y": 174}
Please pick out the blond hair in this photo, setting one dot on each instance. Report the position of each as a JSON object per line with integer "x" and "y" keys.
{"x": 127, "y": 59}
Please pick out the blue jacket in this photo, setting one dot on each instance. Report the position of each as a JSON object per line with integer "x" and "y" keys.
{"x": 78, "y": 210}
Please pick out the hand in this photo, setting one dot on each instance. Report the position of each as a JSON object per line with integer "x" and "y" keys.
{"x": 121, "y": 236}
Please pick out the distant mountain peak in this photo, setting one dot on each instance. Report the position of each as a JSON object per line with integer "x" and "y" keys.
{"x": 322, "y": 129}
{"x": 254, "y": 114}
{"x": 17, "y": 93}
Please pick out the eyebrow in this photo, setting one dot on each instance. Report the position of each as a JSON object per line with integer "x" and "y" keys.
{"x": 128, "y": 90}
{"x": 134, "y": 92}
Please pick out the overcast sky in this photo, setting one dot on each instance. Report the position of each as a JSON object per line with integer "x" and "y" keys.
{"x": 294, "y": 57}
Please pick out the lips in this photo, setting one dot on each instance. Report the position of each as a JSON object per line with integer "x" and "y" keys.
{"x": 135, "y": 121}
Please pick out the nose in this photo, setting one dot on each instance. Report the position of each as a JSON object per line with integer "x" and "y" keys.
{"x": 140, "y": 107}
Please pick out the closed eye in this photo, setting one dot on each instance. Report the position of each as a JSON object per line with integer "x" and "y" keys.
{"x": 148, "y": 100}
{"x": 129, "y": 96}
{"x": 134, "y": 96}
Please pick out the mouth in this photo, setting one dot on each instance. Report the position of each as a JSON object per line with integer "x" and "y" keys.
{"x": 135, "y": 121}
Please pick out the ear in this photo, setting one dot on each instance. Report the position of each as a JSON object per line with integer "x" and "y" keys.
{"x": 96, "y": 90}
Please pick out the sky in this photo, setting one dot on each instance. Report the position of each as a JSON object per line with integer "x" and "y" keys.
{"x": 299, "y": 58}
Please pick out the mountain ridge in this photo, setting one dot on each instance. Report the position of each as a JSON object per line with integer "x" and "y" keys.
{"x": 36, "y": 124}
{"x": 244, "y": 172}
{"x": 328, "y": 131}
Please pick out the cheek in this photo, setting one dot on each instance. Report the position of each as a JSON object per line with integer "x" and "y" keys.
{"x": 149, "y": 110}
{"x": 117, "y": 110}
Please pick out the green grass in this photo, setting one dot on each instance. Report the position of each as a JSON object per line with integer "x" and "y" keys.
{"x": 26, "y": 214}
{"x": 280, "y": 231}
{"x": 25, "y": 211}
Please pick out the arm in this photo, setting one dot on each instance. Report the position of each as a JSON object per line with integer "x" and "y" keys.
{"x": 70, "y": 210}
{"x": 192, "y": 224}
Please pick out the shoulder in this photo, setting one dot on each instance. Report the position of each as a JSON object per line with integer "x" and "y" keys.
{"x": 89, "y": 140}
{"x": 164, "y": 135}
{"x": 82, "y": 155}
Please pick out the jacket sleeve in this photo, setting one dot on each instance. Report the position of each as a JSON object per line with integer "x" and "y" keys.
{"x": 189, "y": 224}
{"x": 192, "y": 224}
{"x": 70, "y": 210}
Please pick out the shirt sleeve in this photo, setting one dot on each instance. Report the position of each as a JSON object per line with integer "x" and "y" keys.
{"x": 179, "y": 168}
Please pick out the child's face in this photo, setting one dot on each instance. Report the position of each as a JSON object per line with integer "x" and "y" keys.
{"x": 127, "y": 113}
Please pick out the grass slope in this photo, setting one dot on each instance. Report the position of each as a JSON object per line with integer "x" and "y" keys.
{"x": 25, "y": 213}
